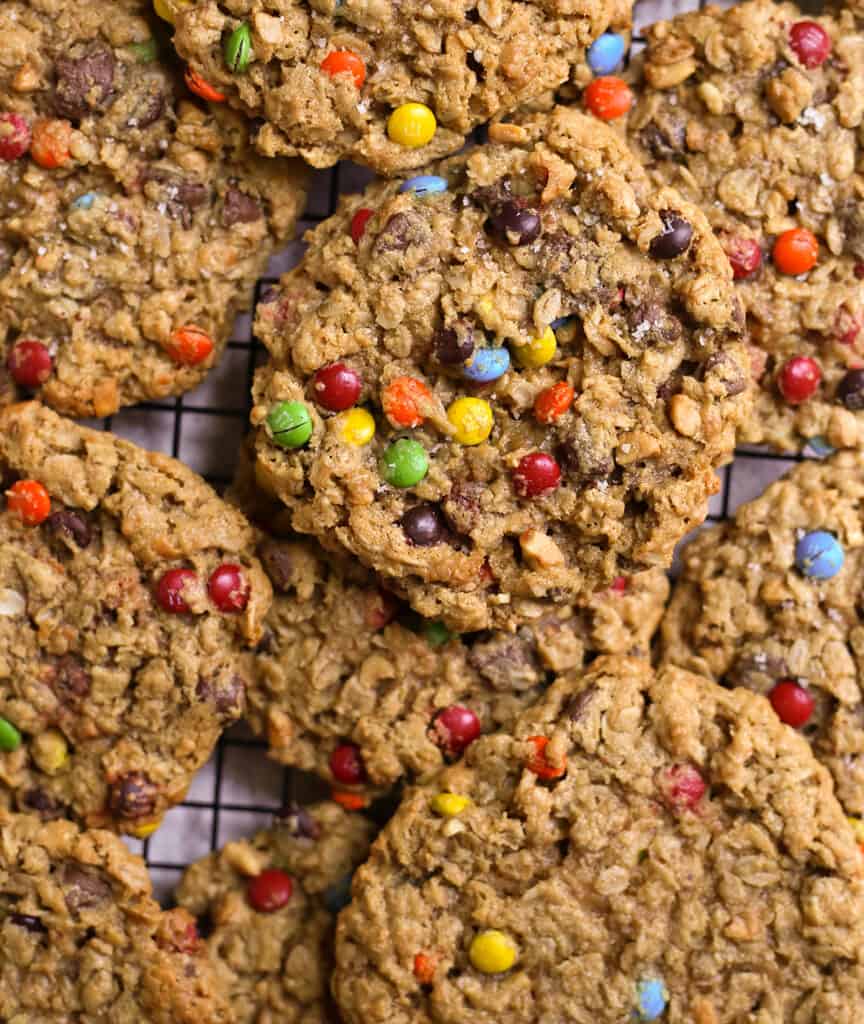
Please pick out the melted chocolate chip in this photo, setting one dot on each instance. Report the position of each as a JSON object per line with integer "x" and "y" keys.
{"x": 508, "y": 661}
{"x": 850, "y": 390}
{"x": 84, "y": 84}
{"x": 453, "y": 345}
{"x": 71, "y": 680}
{"x": 69, "y": 525}
{"x": 650, "y": 324}
{"x": 674, "y": 239}
{"x": 516, "y": 223}
{"x": 278, "y": 563}
{"x": 463, "y": 506}
{"x": 734, "y": 378}
{"x": 147, "y": 106}
{"x": 401, "y": 231}
{"x": 297, "y": 821}
{"x": 578, "y": 457}
{"x": 666, "y": 142}
{"x": 424, "y": 525}
{"x": 27, "y": 921}
{"x": 179, "y": 195}
{"x": 238, "y": 208}
{"x": 575, "y": 707}
{"x": 43, "y": 804}
{"x": 83, "y": 889}
{"x": 133, "y": 796}
{"x": 227, "y": 696}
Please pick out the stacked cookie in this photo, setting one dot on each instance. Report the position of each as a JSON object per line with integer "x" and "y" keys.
{"x": 500, "y": 384}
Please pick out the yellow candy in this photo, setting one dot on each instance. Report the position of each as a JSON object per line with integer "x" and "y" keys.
{"x": 448, "y": 805}
{"x": 538, "y": 351}
{"x": 358, "y": 427}
{"x": 858, "y": 828}
{"x": 493, "y": 952}
{"x": 169, "y": 9}
{"x": 145, "y": 830}
{"x": 472, "y": 418}
{"x": 411, "y": 125}
{"x": 50, "y": 751}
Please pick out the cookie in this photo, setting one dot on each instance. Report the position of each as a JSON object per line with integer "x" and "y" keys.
{"x": 771, "y": 601}
{"x": 345, "y": 80}
{"x": 81, "y": 937}
{"x": 755, "y": 113}
{"x": 134, "y": 220}
{"x": 128, "y": 593}
{"x": 269, "y": 904}
{"x": 506, "y": 381}
{"x": 640, "y": 848}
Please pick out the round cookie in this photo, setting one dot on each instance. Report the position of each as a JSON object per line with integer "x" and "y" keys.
{"x": 134, "y": 220}
{"x": 756, "y": 114}
{"x": 771, "y": 600}
{"x": 342, "y": 79}
{"x": 490, "y": 390}
{"x": 128, "y": 592}
{"x": 640, "y": 848}
{"x": 271, "y": 939}
{"x": 81, "y": 937}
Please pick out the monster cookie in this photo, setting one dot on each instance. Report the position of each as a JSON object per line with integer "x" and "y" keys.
{"x": 82, "y": 939}
{"x": 772, "y": 601}
{"x": 639, "y": 848}
{"x": 133, "y": 221}
{"x": 756, "y": 113}
{"x": 269, "y": 905}
{"x": 339, "y": 79}
{"x": 128, "y": 591}
{"x": 507, "y": 380}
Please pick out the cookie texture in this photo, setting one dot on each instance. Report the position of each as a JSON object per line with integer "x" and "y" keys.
{"x": 464, "y": 63}
{"x": 538, "y": 402}
{"x": 119, "y": 661}
{"x": 638, "y": 844}
{"x": 755, "y": 113}
{"x": 134, "y": 220}
{"x": 81, "y": 937}
{"x": 745, "y": 614}
{"x": 275, "y": 964}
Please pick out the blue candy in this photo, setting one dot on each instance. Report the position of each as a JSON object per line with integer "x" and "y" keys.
{"x": 651, "y": 999}
{"x": 424, "y": 185}
{"x": 606, "y": 53}
{"x": 487, "y": 364}
{"x": 84, "y": 202}
{"x": 820, "y": 447}
{"x": 819, "y": 555}
{"x": 338, "y": 896}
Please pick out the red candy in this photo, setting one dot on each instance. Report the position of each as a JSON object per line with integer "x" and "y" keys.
{"x": 539, "y": 763}
{"x": 619, "y": 585}
{"x": 744, "y": 255}
{"x": 15, "y": 136}
{"x": 171, "y": 589}
{"x": 380, "y": 608}
{"x": 269, "y": 891}
{"x": 811, "y": 43}
{"x": 799, "y": 379}
{"x": 608, "y": 97}
{"x": 553, "y": 402}
{"x": 30, "y": 364}
{"x": 847, "y": 325}
{"x": 228, "y": 588}
{"x": 337, "y": 387}
{"x": 346, "y": 764}
{"x": 792, "y": 702}
{"x": 683, "y": 786}
{"x": 536, "y": 474}
{"x": 455, "y": 728}
{"x": 358, "y": 223}
{"x": 342, "y": 62}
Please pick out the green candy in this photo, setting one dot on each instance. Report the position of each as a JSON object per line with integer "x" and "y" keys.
{"x": 145, "y": 52}
{"x": 404, "y": 463}
{"x": 290, "y": 424}
{"x": 436, "y": 633}
{"x": 10, "y": 738}
{"x": 237, "y": 49}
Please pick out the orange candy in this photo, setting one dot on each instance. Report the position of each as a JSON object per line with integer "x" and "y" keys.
{"x": 538, "y": 762}
{"x": 608, "y": 97}
{"x": 404, "y": 401}
{"x": 796, "y": 251}
{"x": 51, "y": 142}
{"x": 350, "y": 801}
{"x": 30, "y": 500}
{"x": 553, "y": 402}
{"x": 201, "y": 87}
{"x": 340, "y": 61}
{"x": 189, "y": 345}
{"x": 424, "y": 969}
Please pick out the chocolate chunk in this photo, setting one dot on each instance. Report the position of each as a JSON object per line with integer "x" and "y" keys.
{"x": 454, "y": 345}
{"x": 650, "y": 324}
{"x": 43, "y": 804}
{"x": 734, "y": 378}
{"x": 297, "y": 821}
{"x": 462, "y": 506}
{"x": 71, "y": 526}
{"x": 238, "y": 208}
{"x": 401, "y": 231}
{"x": 490, "y": 197}
{"x": 749, "y": 669}
{"x": 508, "y": 661}
{"x": 27, "y": 921}
{"x": 424, "y": 525}
{"x": 84, "y": 84}
{"x": 516, "y": 223}
{"x": 579, "y": 456}
{"x": 850, "y": 390}
{"x": 71, "y": 680}
{"x": 227, "y": 696}
{"x": 851, "y": 215}
{"x": 147, "y": 105}
{"x": 674, "y": 239}
{"x": 83, "y": 889}
{"x": 664, "y": 142}
{"x": 278, "y": 562}
{"x": 475, "y": 65}
{"x": 179, "y": 195}
{"x": 576, "y": 706}
{"x": 133, "y": 796}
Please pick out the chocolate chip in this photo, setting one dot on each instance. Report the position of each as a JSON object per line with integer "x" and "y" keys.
{"x": 576, "y": 706}
{"x": 70, "y": 681}
{"x": 71, "y": 526}
{"x": 43, "y": 804}
{"x": 579, "y": 457}
{"x": 491, "y": 197}
{"x": 278, "y": 562}
{"x": 666, "y": 142}
{"x": 850, "y": 390}
{"x": 475, "y": 65}
{"x": 238, "y": 208}
{"x": 674, "y": 239}
{"x": 133, "y": 796}
{"x": 508, "y": 661}
{"x": 423, "y": 525}
{"x": 227, "y": 696}
{"x": 146, "y": 106}
{"x": 733, "y": 376}
{"x": 650, "y": 324}
{"x": 757, "y": 671}
{"x": 83, "y": 889}
{"x": 85, "y": 83}
{"x": 179, "y": 195}
{"x": 27, "y": 921}
{"x": 516, "y": 223}
{"x": 463, "y": 506}
{"x": 297, "y": 821}
{"x": 453, "y": 345}
{"x": 401, "y": 231}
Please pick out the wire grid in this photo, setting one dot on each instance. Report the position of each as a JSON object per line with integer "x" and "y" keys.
{"x": 239, "y": 789}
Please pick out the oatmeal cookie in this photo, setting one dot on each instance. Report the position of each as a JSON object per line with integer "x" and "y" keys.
{"x": 81, "y": 937}
{"x": 639, "y": 848}
{"x": 506, "y": 381}
{"x": 771, "y": 600}
{"x": 391, "y": 88}
{"x": 269, "y": 904}
{"x": 134, "y": 221}
{"x": 756, "y": 113}
{"x": 128, "y": 592}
